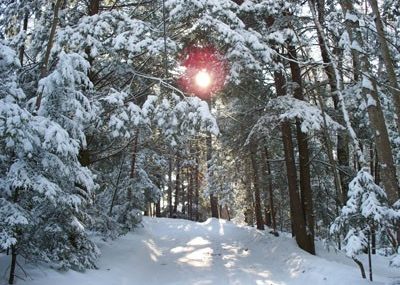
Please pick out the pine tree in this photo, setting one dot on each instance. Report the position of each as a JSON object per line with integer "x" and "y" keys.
{"x": 366, "y": 208}
{"x": 43, "y": 210}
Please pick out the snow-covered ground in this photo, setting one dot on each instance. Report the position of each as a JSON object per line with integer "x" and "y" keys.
{"x": 174, "y": 251}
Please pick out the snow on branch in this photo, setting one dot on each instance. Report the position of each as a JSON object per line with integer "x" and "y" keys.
{"x": 311, "y": 116}
{"x": 110, "y": 32}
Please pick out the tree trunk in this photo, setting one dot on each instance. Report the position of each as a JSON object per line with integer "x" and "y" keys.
{"x": 169, "y": 191}
{"x": 227, "y": 212}
{"x": 22, "y": 48}
{"x": 249, "y": 213}
{"x": 267, "y": 216}
{"x": 213, "y": 198}
{"x": 371, "y": 159}
{"x": 377, "y": 169}
{"x": 183, "y": 196}
{"x": 158, "y": 209}
{"x": 297, "y": 215}
{"x": 271, "y": 192}
{"x": 197, "y": 186}
{"x": 340, "y": 196}
{"x": 256, "y": 183}
{"x": 332, "y": 62}
{"x": 342, "y": 147}
{"x": 375, "y": 113}
{"x": 281, "y": 210}
{"x": 369, "y": 257}
{"x": 304, "y": 156}
{"x": 361, "y": 266}
{"x": 45, "y": 62}
{"x": 115, "y": 192}
{"x": 158, "y": 203}
{"x": 93, "y": 8}
{"x": 177, "y": 183}
{"x": 388, "y": 61}
{"x": 13, "y": 247}
{"x": 373, "y": 239}
{"x": 190, "y": 194}
{"x": 13, "y": 264}
{"x": 148, "y": 211}
{"x": 134, "y": 153}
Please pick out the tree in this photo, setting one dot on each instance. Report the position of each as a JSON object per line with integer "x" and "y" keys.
{"x": 374, "y": 107}
{"x": 366, "y": 209}
{"x": 43, "y": 211}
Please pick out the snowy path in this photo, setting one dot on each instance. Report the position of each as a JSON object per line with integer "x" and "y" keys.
{"x": 167, "y": 251}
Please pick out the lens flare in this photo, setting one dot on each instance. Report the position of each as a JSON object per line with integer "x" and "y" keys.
{"x": 204, "y": 71}
{"x": 203, "y": 79}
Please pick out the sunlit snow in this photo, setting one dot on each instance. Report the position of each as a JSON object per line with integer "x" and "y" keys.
{"x": 180, "y": 252}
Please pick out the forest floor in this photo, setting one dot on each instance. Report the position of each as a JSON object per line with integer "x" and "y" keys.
{"x": 180, "y": 252}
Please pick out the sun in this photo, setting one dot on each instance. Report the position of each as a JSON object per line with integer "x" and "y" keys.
{"x": 203, "y": 71}
{"x": 203, "y": 79}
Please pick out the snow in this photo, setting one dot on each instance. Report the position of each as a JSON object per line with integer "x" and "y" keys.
{"x": 366, "y": 83}
{"x": 173, "y": 251}
{"x": 344, "y": 40}
{"x": 354, "y": 243}
{"x": 312, "y": 119}
{"x": 356, "y": 46}
{"x": 371, "y": 101}
{"x": 395, "y": 262}
{"x": 352, "y": 17}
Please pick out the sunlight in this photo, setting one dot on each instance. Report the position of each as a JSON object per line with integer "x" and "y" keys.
{"x": 198, "y": 241}
{"x": 221, "y": 228}
{"x": 198, "y": 258}
{"x": 180, "y": 249}
{"x": 203, "y": 79}
{"x": 155, "y": 253}
{"x": 296, "y": 265}
{"x": 204, "y": 71}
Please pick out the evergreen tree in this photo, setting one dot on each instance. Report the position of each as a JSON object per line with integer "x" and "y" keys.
{"x": 366, "y": 209}
{"x": 43, "y": 211}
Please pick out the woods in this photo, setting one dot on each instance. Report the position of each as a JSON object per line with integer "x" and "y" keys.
{"x": 294, "y": 125}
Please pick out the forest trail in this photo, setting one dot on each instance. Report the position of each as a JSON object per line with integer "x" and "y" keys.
{"x": 180, "y": 252}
